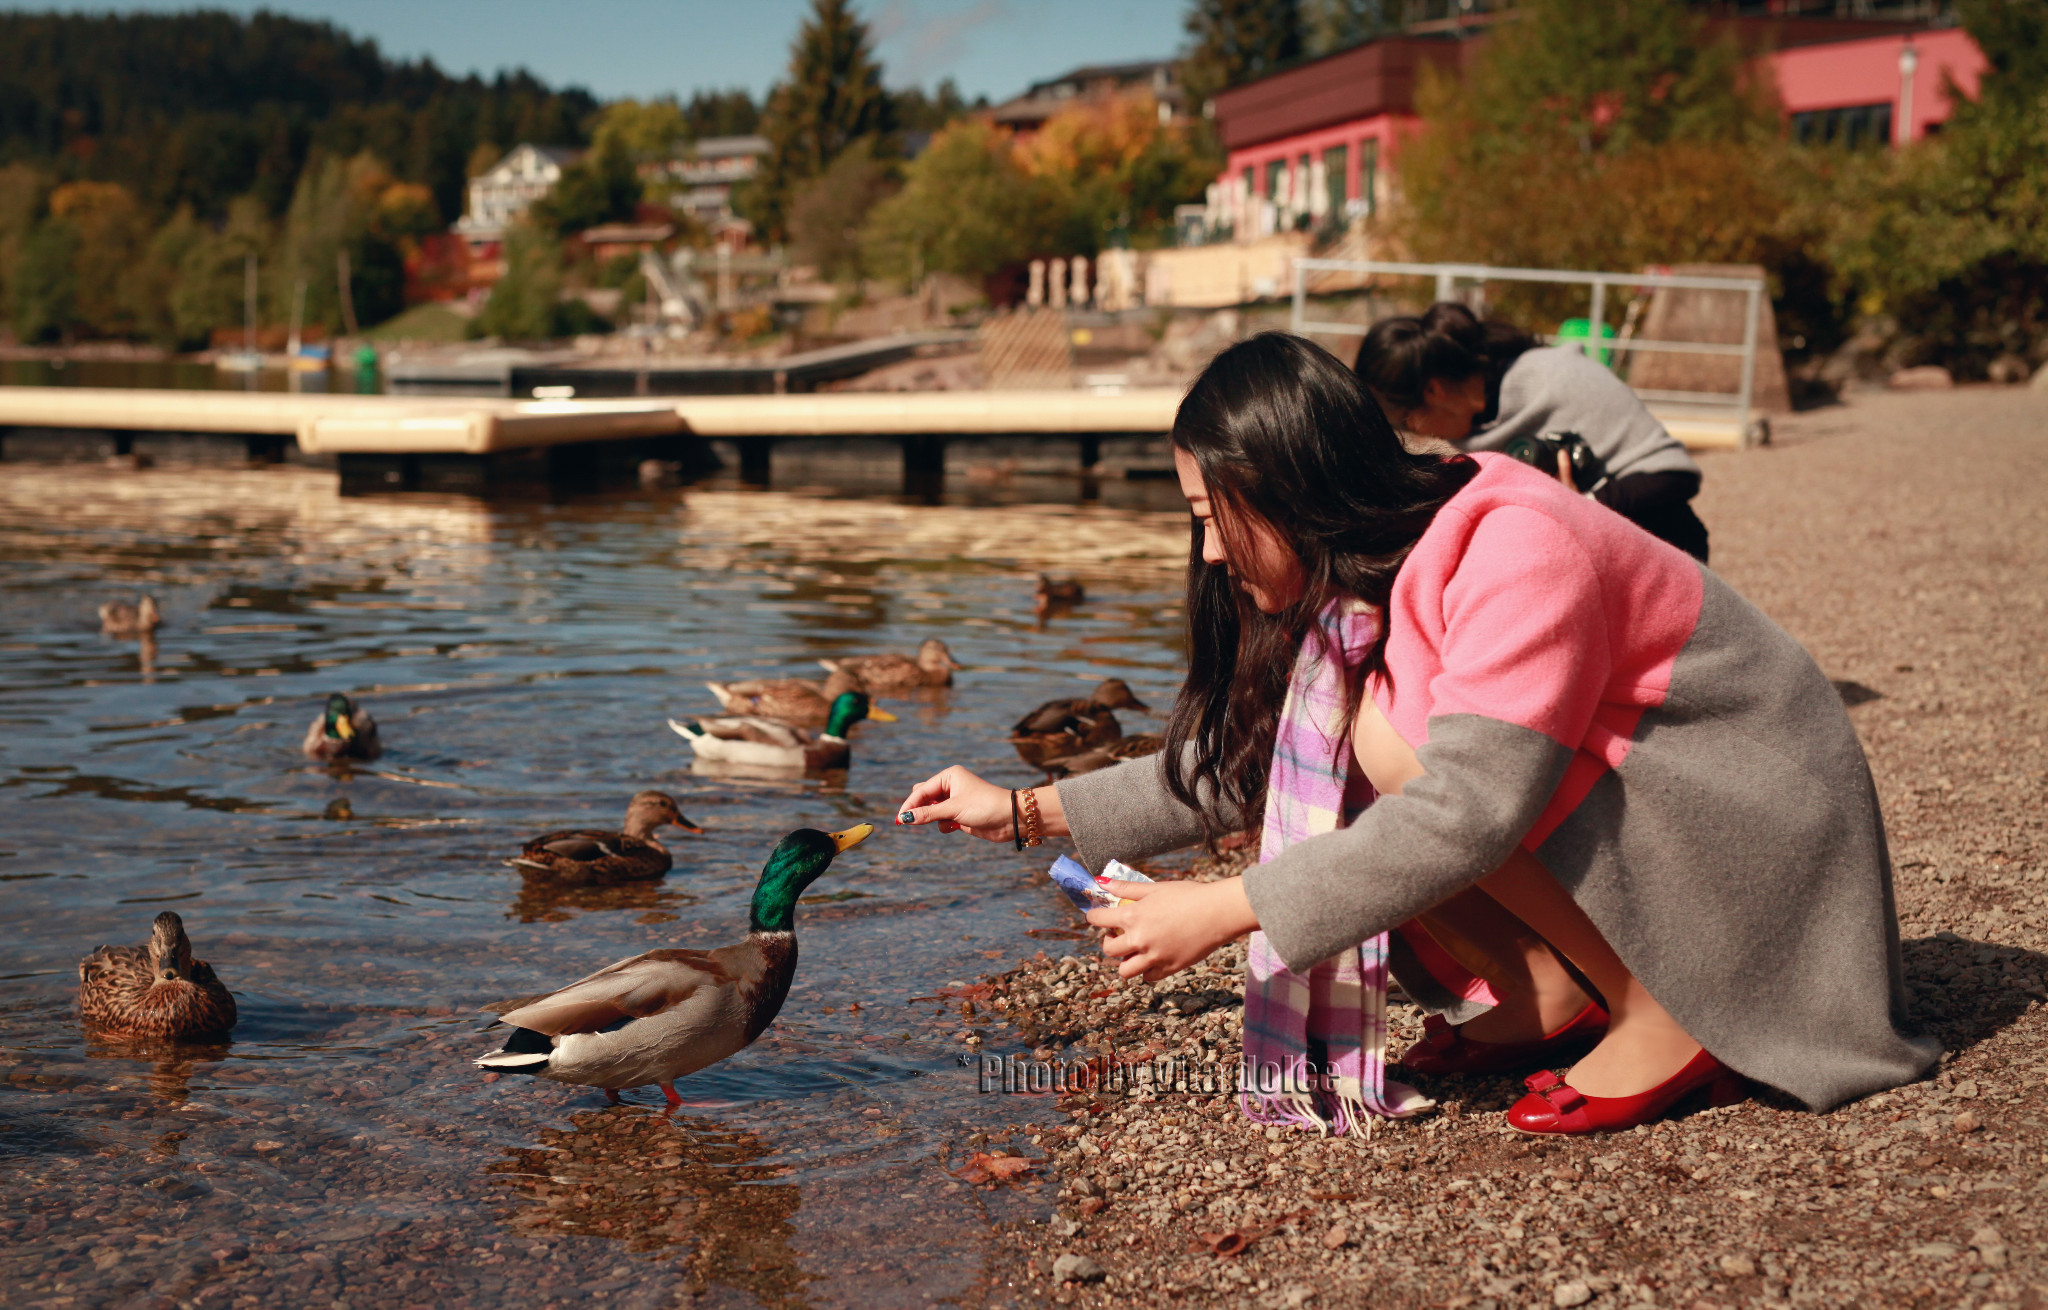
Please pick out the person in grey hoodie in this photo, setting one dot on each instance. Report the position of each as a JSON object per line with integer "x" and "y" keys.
{"x": 1481, "y": 383}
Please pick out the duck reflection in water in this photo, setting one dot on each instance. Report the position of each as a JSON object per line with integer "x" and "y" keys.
{"x": 540, "y": 901}
{"x": 663, "y": 1184}
{"x": 171, "y": 1064}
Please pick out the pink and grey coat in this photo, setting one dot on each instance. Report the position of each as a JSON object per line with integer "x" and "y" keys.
{"x": 1674, "y": 758}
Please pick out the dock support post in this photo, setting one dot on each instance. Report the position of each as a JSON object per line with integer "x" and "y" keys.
{"x": 924, "y": 466}
{"x": 756, "y": 459}
{"x": 1091, "y": 452}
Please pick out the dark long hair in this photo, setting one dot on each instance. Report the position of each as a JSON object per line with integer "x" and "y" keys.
{"x": 1447, "y": 342}
{"x": 1283, "y": 433}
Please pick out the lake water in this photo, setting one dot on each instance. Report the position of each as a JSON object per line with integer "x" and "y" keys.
{"x": 521, "y": 658}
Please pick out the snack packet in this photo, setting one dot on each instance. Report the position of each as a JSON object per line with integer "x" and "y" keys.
{"x": 1081, "y": 886}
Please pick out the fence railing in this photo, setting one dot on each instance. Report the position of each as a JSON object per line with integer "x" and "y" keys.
{"x": 1448, "y": 276}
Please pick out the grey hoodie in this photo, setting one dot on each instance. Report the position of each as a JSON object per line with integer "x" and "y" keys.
{"x": 1557, "y": 389}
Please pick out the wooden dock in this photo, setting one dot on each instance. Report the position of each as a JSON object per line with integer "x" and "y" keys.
{"x": 448, "y": 442}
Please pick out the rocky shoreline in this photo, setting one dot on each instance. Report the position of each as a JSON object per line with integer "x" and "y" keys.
{"x": 1914, "y": 590}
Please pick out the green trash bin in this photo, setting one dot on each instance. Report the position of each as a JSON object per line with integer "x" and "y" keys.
{"x": 1578, "y": 331}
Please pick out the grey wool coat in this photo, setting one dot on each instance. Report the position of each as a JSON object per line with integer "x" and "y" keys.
{"x": 1676, "y": 760}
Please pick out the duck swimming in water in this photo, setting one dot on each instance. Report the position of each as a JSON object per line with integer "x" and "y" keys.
{"x": 120, "y": 619}
{"x": 590, "y": 857}
{"x": 890, "y": 673}
{"x": 154, "y": 990}
{"x": 343, "y": 730}
{"x": 668, "y": 1013}
{"x": 772, "y": 744}
{"x": 1073, "y": 724}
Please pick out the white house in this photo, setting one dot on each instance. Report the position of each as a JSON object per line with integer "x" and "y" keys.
{"x": 500, "y": 196}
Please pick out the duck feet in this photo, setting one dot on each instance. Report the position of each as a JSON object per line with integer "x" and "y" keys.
{"x": 669, "y": 1090}
{"x": 611, "y": 1095}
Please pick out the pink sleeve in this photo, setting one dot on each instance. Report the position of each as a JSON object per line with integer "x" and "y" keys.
{"x": 1526, "y": 636}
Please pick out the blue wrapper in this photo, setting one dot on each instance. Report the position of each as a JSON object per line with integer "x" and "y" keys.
{"x": 1081, "y": 887}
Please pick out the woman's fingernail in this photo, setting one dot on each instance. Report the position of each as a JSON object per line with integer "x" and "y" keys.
{"x": 906, "y": 817}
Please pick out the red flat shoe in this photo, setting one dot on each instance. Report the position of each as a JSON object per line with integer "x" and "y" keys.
{"x": 1554, "y": 1107}
{"x": 1444, "y": 1049}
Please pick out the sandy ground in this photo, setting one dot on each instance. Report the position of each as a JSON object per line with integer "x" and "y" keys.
{"x": 1904, "y": 540}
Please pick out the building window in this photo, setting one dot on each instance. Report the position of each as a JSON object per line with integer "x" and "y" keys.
{"x": 1857, "y": 127}
{"x": 1276, "y": 178}
{"x": 1336, "y": 163}
{"x": 1369, "y": 176}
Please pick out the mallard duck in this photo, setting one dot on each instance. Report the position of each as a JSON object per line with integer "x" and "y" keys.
{"x": 590, "y": 857}
{"x": 933, "y": 667}
{"x": 792, "y": 700}
{"x": 1056, "y": 594}
{"x": 666, "y": 1014}
{"x": 772, "y": 744}
{"x": 1060, "y": 728}
{"x": 343, "y": 730}
{"x": 120, "y": 619}
{"x": 1135, "y": 747}
{"x": 154, "y": 990}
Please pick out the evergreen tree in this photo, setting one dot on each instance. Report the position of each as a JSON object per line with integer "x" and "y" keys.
{"x": 1233, "y": 41}
{"x": 831, "y": 98}
{"x": 1331, "y": 25}
{"x": 721, "y": 113}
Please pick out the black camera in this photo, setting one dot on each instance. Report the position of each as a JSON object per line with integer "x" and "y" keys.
{"x": 1589, "y": 471}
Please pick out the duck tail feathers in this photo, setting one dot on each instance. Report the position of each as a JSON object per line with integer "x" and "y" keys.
{"x": 688, "y": 729}
{"x": 523, "y": 1052}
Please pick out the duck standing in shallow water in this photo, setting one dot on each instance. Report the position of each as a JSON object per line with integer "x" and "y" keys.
{"x": 666, "y": 1014}
{"x": 588, "y": 857}
{"x": 1060, "y": 728}
{"x": 765, "y": 743}
{"x": 120, "y": 619}
{"x": 154, "y": 990}
{"x": 894, "y": 673}
{"x": 791, "y": 700}
{"x": 343, "y": 730}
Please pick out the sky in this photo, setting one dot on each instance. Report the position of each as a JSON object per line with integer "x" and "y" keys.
{"x": 643, "y": 48}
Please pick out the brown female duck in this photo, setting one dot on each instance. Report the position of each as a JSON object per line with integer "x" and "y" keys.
{"x": 1060, "y": 728}
{"x": 793, "y": 701}
{"x": 120, "y": 619}
{"x": 893, "y": 673}
{"x": 589, "y": 857}
{"x": 1134, "y": 747}
{"x": 154, "y": 990}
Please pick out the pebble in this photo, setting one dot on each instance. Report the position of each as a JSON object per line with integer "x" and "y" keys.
{"x": 1570, "y": 1294}
{"x": 1337, "y": 1238}
{"x": 1077, "y": 1269}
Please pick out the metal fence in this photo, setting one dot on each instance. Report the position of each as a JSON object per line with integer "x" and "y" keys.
{"x": 1448, "y": 276}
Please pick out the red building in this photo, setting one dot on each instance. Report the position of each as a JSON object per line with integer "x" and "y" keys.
{"x": 1311, "y": 146}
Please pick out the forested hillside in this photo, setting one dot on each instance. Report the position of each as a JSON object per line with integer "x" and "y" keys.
{"x": 200, "y": 108}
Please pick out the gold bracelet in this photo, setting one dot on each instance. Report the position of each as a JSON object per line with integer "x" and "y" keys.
{"x": 1031, "y": 823}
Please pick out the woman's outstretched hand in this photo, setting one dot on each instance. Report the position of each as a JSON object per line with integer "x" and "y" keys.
{"x": 1171, "y": 925}
{"x": 958, "y": 801}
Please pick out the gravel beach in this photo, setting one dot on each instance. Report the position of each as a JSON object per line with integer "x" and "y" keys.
{"x": 1904, "y": 540}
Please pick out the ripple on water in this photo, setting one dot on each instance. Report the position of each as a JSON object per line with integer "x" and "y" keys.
{"x": 521, "y": 659}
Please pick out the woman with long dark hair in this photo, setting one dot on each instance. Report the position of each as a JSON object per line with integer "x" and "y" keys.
{"x": 1565, "y": 758}
{"x": 1481, "y": 383}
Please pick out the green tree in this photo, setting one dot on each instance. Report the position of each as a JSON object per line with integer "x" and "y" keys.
{"x": 826, "y": 216}
{"x": 1950, "y": 235}
{"x": 602, "y": 187}
{"x": 23, "y": 192}
{"x": 526, "y": 303}
{"x": 831, "y": 97}
{"x": 918, "y": 112}
{"x": 967, "y": 207}
{"x": 207, "y": 291}
{"x": 1597, "y": 134}
{"x": 1331, "y": 25}
{"x": 721, "y": 113}
{"x": 349, "y": 205}
{"x": 1233, "y": 41}
{"x": 42, "y": 295}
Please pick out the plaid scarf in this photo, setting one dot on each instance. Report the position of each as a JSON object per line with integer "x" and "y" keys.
{"x": 1315, "y": 1043}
